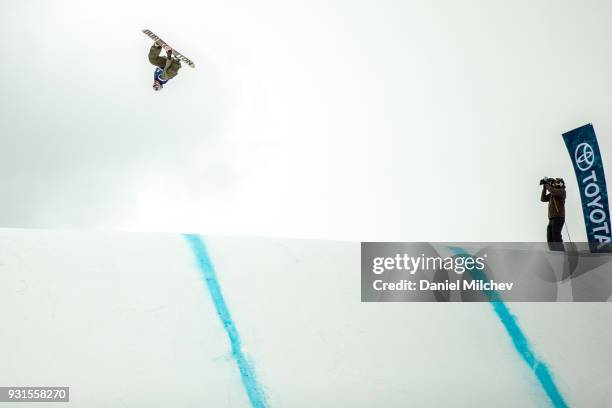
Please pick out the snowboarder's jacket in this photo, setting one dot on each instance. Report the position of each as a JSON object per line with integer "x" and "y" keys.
{"x": 170, "y": 66}
{"x": 556, "y": 201}
{"x": 157, "y": 75}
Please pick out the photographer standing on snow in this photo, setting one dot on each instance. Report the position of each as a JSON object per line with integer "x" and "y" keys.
{"x": 553, "y": 192}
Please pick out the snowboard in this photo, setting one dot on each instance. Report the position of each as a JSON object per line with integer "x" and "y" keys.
{"x": 167, "y": 47}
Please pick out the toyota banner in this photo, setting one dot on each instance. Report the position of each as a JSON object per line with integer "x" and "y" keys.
{"x": 584, "y": 151}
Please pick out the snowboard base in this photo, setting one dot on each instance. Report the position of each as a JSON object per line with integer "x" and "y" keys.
{"x": 167, "y": 47}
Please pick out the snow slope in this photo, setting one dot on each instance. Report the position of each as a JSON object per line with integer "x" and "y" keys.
{"x": 128, "y": 320}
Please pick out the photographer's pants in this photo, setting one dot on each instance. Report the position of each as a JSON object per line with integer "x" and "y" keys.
{"x": 553, "y": 231}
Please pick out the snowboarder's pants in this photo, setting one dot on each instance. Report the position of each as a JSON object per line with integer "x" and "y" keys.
{"x": 553, "y": 232}
{"x": 158, "y": 61}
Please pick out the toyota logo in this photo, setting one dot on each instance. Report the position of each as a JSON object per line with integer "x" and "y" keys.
{"x": 584, "y": 156}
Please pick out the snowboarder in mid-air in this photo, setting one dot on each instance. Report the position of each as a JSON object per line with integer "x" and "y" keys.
{"x": 167, "y": 67}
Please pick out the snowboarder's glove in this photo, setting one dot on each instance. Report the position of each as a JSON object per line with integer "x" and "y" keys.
{"x": 169, "y": 53}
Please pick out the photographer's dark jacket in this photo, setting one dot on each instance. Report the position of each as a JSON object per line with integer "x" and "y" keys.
{"x": 556, "y": 201}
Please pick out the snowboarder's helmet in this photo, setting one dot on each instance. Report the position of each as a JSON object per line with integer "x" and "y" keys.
{"x": 157, "y": 85}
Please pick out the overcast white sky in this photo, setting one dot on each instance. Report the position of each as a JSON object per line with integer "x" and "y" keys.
{"x": 369, "y": 120}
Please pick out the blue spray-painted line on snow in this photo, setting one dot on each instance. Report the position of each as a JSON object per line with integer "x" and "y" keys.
{"x": 252, "y": 387}
{"x": 519, "y": 339}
